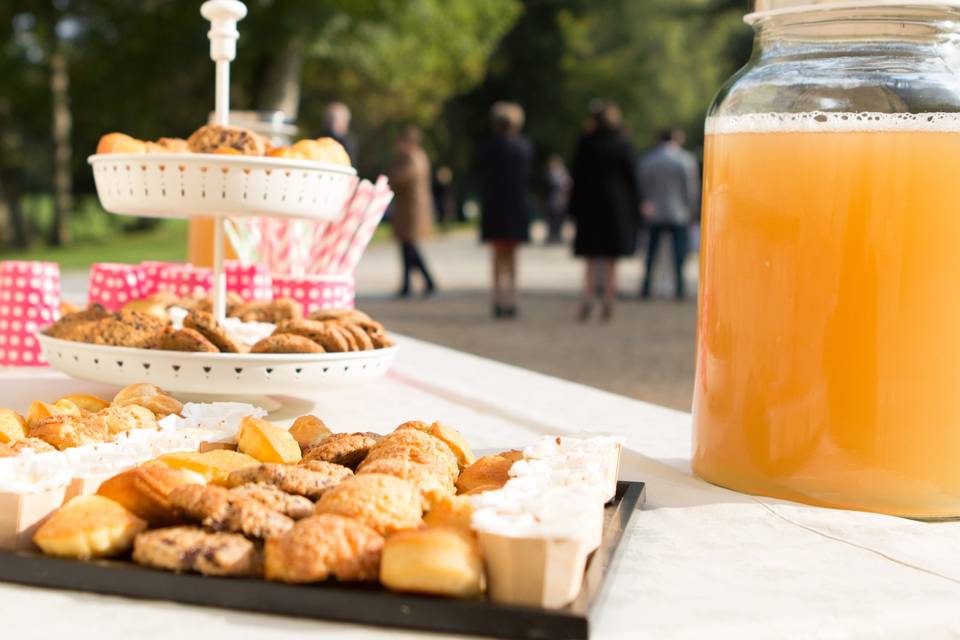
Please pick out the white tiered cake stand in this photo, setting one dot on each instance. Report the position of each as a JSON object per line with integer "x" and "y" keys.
{"x": 184, "y": 185}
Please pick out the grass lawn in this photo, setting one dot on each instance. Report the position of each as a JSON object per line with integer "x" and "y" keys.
{"x": 167, "y": 242}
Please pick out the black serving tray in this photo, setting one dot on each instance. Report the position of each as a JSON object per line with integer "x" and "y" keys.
{"x": 342, "y": 602}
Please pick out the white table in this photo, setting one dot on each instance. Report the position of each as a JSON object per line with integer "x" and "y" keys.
{"x": 700, "y": 561}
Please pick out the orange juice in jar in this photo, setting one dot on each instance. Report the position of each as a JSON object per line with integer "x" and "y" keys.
{"x": 828, "y": 350}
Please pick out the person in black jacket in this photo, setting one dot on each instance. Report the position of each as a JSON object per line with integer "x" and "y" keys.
{"x": 605, "y": 204}
{"x": 505, "y": 163}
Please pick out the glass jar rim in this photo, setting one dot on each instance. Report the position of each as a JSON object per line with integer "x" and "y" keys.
{"x": 773, "y": 8}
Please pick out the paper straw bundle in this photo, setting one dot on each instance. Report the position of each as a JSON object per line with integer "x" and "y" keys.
{"x": 301, "y": 248}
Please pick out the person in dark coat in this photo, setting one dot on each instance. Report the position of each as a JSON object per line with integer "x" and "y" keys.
{"x": 505, "y": 163}
{"x": 605, "y": 204}
{"x": 336, "y": 125}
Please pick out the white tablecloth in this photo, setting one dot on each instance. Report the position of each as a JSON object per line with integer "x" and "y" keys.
{"x": 699, "y": 561}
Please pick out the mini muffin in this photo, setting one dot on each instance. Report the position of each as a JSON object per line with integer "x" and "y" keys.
{"x": 347, "y": 449}
{"x": 208, "y": 326}
{"x": 384, "y": 503}
{"x": 88, "y": 527}
{"x": 491, "y": 472}
{"x": 449, "y": 436}
{"x": 87, "y": 403}
{"x": 193, "y": 549}
{"x": 145, "y": 491}
{"x": 209, "y": 138}
{"x": 442, "y": 561}
{"x": 286, "y": 343}
{"x": 322, "y": 546}
{"x": 189, "y": 340}
{"x": 432, "y": 482}
{"x": 418, "y": 447}
{"x": 149, "y": 307}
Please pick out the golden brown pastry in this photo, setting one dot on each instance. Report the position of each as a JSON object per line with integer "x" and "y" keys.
{"x": 450, "y": 511}
{"x": 188, "y": 340}
{"x": 347, "y": 449}
{"x": 384, "y": 503}
{"x": 208, "y": 326}
{"x": 358, "y": 337}
{"x": 266, "y": 442}
{"x": 209, "y": 138}
{"x": 311, "y": 481}
{"x": 214, "y": 465}
{"x": 123, "y": 418}
{"x": 432, "y": 482}
{"x": 322, "y": 546}
{"x": 286, "y": 343}
{"x": 66, "y": 431}
{"x": 88, "y": 527}
{"x": 418, "y": 447}
{"x": 148, "y": 307}
{"x": 272, "y": 497}
{"x": 150, "y": 397}
{"x": 87, "y": 403}
{"x": 309, "y": 431}
{"x": 322, "y": 150}
{"x": 491, "y": 472}
{"x": 145, "y": 491}
{"x": 441, "y": 561}
{"x": 12, "y": 426}
{"x": 272, "y": 311}
{"x": 193, "y": 549}
{"x": 41, "y": 410}
{"x": 120, "y": 143}
{"x": 16, "y": 447}
{"x": 169, "y": 145}
{"x": 327, "y": 334}
{"x": 449, "y": 436}
{"x": 216, "y": 508}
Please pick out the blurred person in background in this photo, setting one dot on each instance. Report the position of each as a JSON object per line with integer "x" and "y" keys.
{"x": 444, "y": 197}
{"x": 604, "y": 203}
{"x": 336, "y": 125}
{"x": 558, "y": 197}
{"x": 412, "y": 215}
{"x": 505, "y": 162}
{"x": 670, "y": 180}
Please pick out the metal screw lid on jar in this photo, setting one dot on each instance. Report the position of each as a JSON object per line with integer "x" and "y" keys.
{"x": 768, "y": 8}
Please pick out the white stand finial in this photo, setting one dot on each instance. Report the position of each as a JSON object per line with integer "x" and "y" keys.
{"x": 223, "y": 16}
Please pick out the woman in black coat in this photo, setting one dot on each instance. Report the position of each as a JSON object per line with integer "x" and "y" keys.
{"x": 505, "y": 163}
{"x": 605, "y": 204}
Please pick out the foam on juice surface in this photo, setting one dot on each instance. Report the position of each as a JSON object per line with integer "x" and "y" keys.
{"x": 817, "y": 121}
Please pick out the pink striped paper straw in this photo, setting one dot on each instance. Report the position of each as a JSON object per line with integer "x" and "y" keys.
{"x": 341, "y": 230}
{"x": 368, "y": 226}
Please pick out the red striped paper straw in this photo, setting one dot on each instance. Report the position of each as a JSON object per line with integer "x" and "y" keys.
{"x": 341, "y": 231}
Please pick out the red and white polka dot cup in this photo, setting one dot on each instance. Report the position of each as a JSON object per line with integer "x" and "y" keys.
{"x": 250, "y": 282}
{"x": 317, "y": 293}
{"x": 29, "y": 301}
{"x": 114, "y": 284}
{"x": 185, "y": 280}
{"x": 151, "y": 270}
